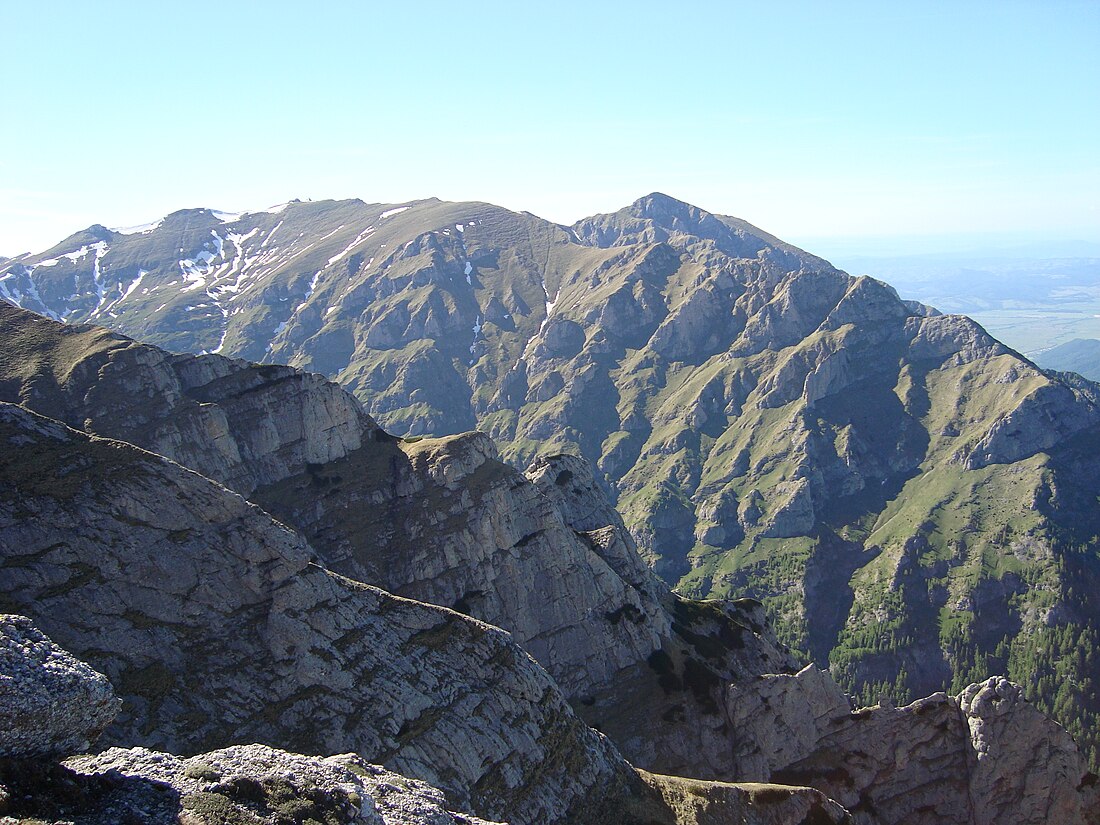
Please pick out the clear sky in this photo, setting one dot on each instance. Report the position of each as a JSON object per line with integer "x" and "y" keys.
{"x": 811, "y": 120}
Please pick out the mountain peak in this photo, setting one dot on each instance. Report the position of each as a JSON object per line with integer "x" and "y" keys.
{"x": 658, "y": 205}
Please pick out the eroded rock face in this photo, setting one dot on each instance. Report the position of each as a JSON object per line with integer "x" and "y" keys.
{"x": 242, "y": 425}
{"x": 984, "y": 756}
{"x": 444, "y": 521}
{"x": 216, "y": 627}
{"x": 51, "y": 704}
{"x": 1025, "y": 768}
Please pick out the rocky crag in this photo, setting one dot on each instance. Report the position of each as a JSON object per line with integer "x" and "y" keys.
{"x": 914, "y": 503}
{"x": 54, "y": 706}
{"x": 438, "y": 520}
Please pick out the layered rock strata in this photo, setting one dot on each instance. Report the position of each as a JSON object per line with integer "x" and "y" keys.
{"x": 217, "y": 627}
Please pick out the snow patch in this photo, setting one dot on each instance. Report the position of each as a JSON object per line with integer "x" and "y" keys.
{"x": 390, "y": 212}
{"x": 460, "y": 227}
{"x": 101, "y": 250}
{"x": 227, "y": 217}
{"x": 134, "y": 284}
{"x": 141, "y": 229}
{"x": 362, "y": 236}
{"x": 469, "y": 270}
{"x": 477, "y": 332}
{"x": 271, "y": 235}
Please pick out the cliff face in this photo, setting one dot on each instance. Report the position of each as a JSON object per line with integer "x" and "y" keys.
{"x": 137, "y": 564}
{"x": 983, "y": 756}
{"x": 217, "y": 627}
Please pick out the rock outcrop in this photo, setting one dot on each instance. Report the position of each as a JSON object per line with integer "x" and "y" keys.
{"x": 216, "y": 626}
{"x": 51, "y": 704}
{"x": 985, "y": 756}
{"x": 260, "y": 785}
{"x": 438, "y": 520}
{"x": 253, "y": 784}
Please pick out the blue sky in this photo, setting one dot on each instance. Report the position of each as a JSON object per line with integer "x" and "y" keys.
{"x": 811, "y": 120}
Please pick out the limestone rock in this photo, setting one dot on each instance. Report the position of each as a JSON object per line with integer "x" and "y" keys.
{"x": 51, "y": 704}
{"x": 217, "y": 627}
{"x": 1024, "y": 768}
{"x": 240, "y": 424}
{"x": 779, "y": 719}
{"x": 246, "y": 784}
{"x": 255, "y": 780}
{"x": 982, "y": 757}
{"x": 443, "y": 521}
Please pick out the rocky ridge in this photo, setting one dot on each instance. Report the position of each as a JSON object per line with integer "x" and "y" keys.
{"x": 249, "y": 784}
{"x": 218, "y": 628}
{"x": 438, "y": 520}
{"x": 136, "y": 565}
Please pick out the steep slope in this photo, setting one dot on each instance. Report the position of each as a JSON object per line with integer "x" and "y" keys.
{"x": 216, "y": 627}
{"x": 438, "y": 520}
{"x": 83, "y": 532}
{"x": 52, "y": 704}
{"x": 913, "y": 501}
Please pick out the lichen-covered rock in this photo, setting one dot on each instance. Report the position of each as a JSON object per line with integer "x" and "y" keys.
{"x": 240, "y": 785}
{"x": 267, "y": 784}
{"x": 51, "y": 704}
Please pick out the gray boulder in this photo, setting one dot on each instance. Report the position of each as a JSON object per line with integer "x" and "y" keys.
{"x": 51, "y": 704}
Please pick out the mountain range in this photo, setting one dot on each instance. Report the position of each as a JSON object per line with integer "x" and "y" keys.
{"x": 914, "y": 503}
{"x": 219, "y": 624}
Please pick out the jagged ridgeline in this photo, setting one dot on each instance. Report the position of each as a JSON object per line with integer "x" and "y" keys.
{"x": 915, "y": 503}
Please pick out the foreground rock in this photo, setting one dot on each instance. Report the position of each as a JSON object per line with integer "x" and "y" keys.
{"x": 243, "y": 785}
{"x": 51, "y": 704}
{"x": 217, "y": 627}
